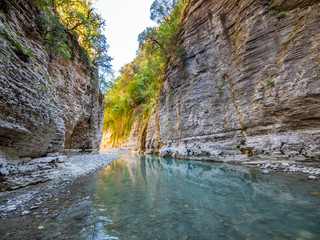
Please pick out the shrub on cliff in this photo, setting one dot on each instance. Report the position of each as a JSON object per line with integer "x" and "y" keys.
{"x": 62, "y": 18}
{"x": 134, "y": 93}
{"x": 80, "y": 18}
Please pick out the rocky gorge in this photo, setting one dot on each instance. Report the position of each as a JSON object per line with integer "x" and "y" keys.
{"x": 231, "y": 84}
{"x": 50, "y": 103}
{"x": 248, "y": 88}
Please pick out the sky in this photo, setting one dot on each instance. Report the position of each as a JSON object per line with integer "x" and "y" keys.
{"x": 125, "y": 20}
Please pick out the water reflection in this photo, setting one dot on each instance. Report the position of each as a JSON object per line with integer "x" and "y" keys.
{"x": 156, "y": 198}
{"x": 147, "y": 197}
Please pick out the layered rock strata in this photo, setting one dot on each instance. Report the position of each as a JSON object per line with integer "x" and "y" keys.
{"x": 248, "y": 87}
{"x": 48, "y": 103}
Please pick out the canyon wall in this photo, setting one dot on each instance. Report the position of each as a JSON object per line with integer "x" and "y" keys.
{"x": 248, "y": 87}
{"x": 49, "y": 103}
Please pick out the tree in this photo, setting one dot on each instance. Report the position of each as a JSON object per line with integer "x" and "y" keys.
{"x": 81, "y": 19}
{"x": 134, "y": 93}
{"x": 149, "y": 35}
{"x": 160, "y": 10}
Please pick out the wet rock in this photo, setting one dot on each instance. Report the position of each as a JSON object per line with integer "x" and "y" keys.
{"x": 285, "y": 164}
{"x": 54, "y": 215}
{"x": 265, "y": 172}
{"x": 11, "y": 208}
{"x": 33, "y": 207}
{"x": 312, "y": 178}
{"x": 56, "y": 154}
{"x": 25, "y": 213}
{"x": 315, "y": 193}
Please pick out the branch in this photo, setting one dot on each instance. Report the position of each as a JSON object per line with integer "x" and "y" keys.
{"x": 155, "y": 41}
{"x": 81, "y": 23}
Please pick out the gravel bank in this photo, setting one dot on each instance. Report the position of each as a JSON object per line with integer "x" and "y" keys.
{"x": 61, "y": 171}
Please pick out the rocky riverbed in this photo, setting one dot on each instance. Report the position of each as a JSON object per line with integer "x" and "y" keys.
{"x": 44, "y": 179}
{"x": 312, "y": 172}
{"x": 55, "y": 174}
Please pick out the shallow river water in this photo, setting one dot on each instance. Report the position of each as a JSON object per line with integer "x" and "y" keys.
{"x": 147, "y": 197}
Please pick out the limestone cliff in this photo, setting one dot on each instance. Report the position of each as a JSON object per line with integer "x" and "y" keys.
{"x": 48, "y": 103}
{"x": 249, "y": 86}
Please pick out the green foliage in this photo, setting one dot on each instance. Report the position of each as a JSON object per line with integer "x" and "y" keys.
{"x": 235, "y": 34}
{"x": 134, "y": 93}
{"x": 270, "y": 83}
{"x": 17, "y": 46}
{"x": 164, "y": 41}
{"x": 62, "y": 18}
{"x": 224, "y": 75}
{"x": 206, "y": 65}
{"x": 55, "y": 34}
{"x": 81, "y": 19}
{"x": 160, "y": 10}
{"x": 206, "y": 111}
{"x": 65, "y": 17}
{"x": 291, "y": 36}
{"x": 273, "y": 6}
{"x": 281, "y": 15}
{"x": 220, "y": 90}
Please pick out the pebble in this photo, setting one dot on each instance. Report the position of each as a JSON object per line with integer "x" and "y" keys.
{"x": 11, "y": 208}
{"x": 25, "y": 213}
{"x": 285, "y": 164}
{"x": 287, "y": 167}
{"x": 312, "y": 177}
{"x": 33, "y": 207}
{"x": 41, "y": 227}
{"x": 307, "y": 234}
{"x": 315, "y": 193}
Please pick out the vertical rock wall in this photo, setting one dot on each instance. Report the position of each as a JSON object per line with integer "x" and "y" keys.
{"x": 47, "y": 103}
{"x": 249, "y": 86}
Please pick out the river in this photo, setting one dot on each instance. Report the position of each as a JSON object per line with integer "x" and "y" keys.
{"x": 148, "y": 197}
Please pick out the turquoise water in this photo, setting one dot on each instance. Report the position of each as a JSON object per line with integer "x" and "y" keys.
{"x": 145, "y": 197}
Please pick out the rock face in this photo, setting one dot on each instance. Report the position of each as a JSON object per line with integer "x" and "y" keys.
{"x": 249, "y": 86}
{"x": 47, "y": 103}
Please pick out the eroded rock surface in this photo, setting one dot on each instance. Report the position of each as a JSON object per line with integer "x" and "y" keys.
{"x": 249, "y": 86}
{"x": 49, "y": 103}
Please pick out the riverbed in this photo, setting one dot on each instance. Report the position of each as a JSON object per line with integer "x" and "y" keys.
{"x": 148, "y": 197}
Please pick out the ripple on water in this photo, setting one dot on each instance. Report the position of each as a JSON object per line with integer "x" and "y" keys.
{"x": 147, "y": 197}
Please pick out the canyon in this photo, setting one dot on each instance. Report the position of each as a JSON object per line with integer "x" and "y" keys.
{"x": 245, "y": 90}
{"x": 248, "y": 88}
